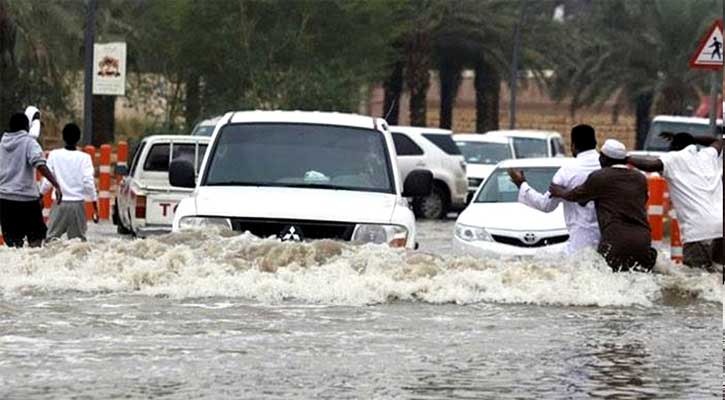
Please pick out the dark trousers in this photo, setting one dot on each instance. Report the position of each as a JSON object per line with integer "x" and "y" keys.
{"x": 22, "y": 220}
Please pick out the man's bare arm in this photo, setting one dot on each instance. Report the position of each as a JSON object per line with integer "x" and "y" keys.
{"x": 45, "y": 172}
{"x": 709, "y": 141}
{"x": 646, "y": 164}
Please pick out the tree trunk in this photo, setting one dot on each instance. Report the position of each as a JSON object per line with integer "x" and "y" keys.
{"x": 393, "y": 89}
{"x": 104, "y": 109}
{"x": 193, "y": 100}
{"x": 9, "y": 98}
{"x": 450, "y": 81}
{"x": 643, "y": 105}
{"x": 417, "y": 76}
{"x": 487, "y": 83}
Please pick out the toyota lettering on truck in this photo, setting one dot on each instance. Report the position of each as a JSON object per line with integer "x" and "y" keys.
{"x": 299, "y": 176}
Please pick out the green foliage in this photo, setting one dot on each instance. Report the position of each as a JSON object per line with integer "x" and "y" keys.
{"x": 629, "y": 49}
{"x": 305, "y": 54}
{"x": 39, "y": 45}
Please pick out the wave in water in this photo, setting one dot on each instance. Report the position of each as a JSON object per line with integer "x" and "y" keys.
{"x": 206, "y": 264}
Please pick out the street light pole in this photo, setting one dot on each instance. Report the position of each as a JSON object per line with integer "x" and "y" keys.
{"x": 88, "y": 72}
{"x": 515, "y": 66}
{"x": 714, "y": 83}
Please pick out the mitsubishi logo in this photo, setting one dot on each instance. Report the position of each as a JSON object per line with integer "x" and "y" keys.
{"x": 530, "y": 238}
{"x": 291, "y": 234}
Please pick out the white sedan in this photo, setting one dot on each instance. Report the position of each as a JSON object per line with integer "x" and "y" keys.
{"x": 495, "y": 223}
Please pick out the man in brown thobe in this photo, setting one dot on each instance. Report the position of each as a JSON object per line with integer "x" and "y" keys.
{"x": 620, "y": 197}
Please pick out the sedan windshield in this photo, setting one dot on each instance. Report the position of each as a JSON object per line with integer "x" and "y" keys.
{"x": 530, "y": 147}
{"x": 499, "y": 188}
{"x": 484, "y": 153}
{"x": 300, "y": 155}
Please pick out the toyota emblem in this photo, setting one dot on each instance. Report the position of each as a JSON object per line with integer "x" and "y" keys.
{"x": 530, "y": 238}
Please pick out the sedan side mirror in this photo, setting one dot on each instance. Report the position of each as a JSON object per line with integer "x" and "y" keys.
{"x": 121, "y": 170}
{"x": 419, "y": 183}
{"x": 182, "y": 174}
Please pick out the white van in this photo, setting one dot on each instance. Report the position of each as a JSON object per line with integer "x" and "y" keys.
{"x": 299, "y": 176}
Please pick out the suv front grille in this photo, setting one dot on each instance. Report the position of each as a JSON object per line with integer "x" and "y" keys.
{"x": 514, "y": 241}
{"x": 308, "y": 230}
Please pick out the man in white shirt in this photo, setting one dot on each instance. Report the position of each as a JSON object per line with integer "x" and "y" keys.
{"x": 581, "y": 221}
{"x": 695, "y": 180}
{"x": 74, "y": 171}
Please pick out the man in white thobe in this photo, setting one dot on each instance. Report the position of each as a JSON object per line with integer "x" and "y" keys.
{"x": 581, "y": 221}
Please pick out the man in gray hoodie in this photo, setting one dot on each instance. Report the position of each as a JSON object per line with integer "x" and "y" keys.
{"x": 21, "y": 213}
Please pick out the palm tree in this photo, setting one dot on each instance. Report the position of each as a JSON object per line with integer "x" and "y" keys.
{"x": 37, "y": 42}
{"x": 637, "y": 54}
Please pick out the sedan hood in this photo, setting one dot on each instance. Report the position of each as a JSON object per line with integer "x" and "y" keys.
{"x": 511, "y": 217}
{"x": 295, "y": 203}
{"x": 479, "y": 171}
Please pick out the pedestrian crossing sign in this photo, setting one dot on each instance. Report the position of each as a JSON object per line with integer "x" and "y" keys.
{"x": 709, "y": 54}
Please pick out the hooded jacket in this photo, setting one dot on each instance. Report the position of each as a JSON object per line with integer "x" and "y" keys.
{"x": 20, "y": 154}
{"x": 34, "y": 130}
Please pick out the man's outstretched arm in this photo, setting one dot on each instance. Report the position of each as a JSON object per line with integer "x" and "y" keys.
{"x": 530, "y": 196}
{"x": 646, "y": 164}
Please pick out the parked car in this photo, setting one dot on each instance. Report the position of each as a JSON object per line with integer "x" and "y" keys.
{"x": 481, "y": 153}
{"x": 300, "y": 176}
{"x": 533, "y": 143}
{"x": 434, "y": 150}
{"x": 496, "y": 223}
{"x": 655, "y": 145}
{"x": 145, "y": 202}
{"x": 205, "y": 127}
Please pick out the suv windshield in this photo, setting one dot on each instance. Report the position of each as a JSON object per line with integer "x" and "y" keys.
{"x": 530, "y": 147}
{"x": 443, "y": 142}
{"x": 300, "y": 155}
{"x": 657, "y": 143}
{"x": 484, "y": 153}
{"x": 499, "y": 188}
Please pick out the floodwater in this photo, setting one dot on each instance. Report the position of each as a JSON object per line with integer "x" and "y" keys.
{"x": 199, "y": 315}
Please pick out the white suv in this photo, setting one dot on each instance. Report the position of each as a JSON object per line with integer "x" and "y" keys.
{"x": 300, "y": 176}
{"x": 434, "y": 150}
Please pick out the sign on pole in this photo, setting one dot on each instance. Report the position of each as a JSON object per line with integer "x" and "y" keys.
{"x": 709, "y": 54}
{"x": 109, "y": 69}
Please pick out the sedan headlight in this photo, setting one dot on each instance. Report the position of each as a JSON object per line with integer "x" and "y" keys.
{"x": 392, "y": 235}
{"x": 205, "y": 222}
{"x": 472, "y": 234}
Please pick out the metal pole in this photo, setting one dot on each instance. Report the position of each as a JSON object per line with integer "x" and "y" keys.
{"x": 714, "y": 84}
{"x": 515, "y": 66}
{"x": 88, "y": 72}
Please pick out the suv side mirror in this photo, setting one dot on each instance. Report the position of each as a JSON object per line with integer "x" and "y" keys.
{"x": 121, "y": 170}
{"x": 182, "y": 174}
{"x": 419, "y": 183}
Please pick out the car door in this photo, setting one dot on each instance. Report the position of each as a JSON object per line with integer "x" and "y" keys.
{"x": 124, "y": 189}
{"x": 410, "y": 155}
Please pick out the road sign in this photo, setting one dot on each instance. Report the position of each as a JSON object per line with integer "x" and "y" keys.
{"x": 709, "y": 54}
{"x": 109, "y": 69}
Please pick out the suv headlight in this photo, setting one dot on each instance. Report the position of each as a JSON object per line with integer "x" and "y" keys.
{"x": 392, "y": 235}
{"x": 205, "y": 222}
{"x": 472, "y": 233}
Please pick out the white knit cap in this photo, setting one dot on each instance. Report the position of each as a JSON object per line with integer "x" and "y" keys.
{"x": 614, "y": 149}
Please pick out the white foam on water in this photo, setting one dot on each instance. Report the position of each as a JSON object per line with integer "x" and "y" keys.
{"x": 205, "y": 264}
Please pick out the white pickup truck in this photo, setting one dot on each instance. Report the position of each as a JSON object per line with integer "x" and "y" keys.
{"x": 145, "y": 202}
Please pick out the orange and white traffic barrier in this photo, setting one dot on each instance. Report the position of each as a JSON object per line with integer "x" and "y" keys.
{"x": 91, "y": 151}
{"x": 676, "y": 254}
{"x": 121, "y": 157}
{"x": 104, "y": 183}
{"x": 656, "y": 209}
